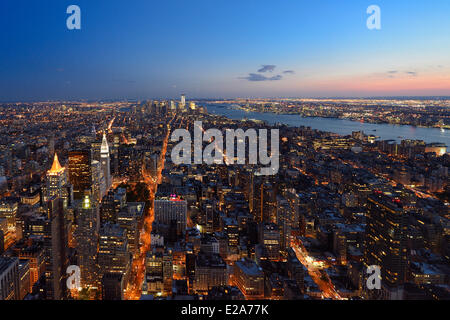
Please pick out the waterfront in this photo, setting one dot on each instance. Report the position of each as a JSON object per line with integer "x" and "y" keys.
{"x": 340, "y": 126}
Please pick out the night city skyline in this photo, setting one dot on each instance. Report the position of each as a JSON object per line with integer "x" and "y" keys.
{"x": 217, "y": 159}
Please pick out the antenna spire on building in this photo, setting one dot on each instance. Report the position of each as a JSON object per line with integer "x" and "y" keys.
{"x": 104, "y": 148}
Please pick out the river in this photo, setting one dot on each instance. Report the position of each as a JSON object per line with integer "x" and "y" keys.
{"x": 339, "y": 126}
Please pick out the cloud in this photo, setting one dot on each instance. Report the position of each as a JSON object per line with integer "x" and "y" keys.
{"x": 254, "y": 77}
{"x": 396, "y": 73}
{"x": 257, "y": 77}
{"x": 267, "y": 68}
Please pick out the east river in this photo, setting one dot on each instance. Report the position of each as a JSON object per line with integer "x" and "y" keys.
{"x": 339, "y": 126}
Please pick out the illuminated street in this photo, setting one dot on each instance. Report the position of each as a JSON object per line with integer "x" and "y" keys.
{"x": 326, "y": 287}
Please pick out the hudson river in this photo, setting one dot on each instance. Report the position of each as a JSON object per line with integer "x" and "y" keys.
{"x": 340, "y": 126}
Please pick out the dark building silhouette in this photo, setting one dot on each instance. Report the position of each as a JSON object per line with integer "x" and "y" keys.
{"x": 80, "y": 172}
{"x": 56, "y": 249}
{"x": 112, "y": 286}
{"x": 385, "y": 243}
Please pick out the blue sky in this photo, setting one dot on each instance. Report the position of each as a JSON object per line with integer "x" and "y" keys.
{"x": 156, "y": 49}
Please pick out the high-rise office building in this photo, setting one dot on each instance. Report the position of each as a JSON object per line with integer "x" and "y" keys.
{"x": 113, "y": 253}
{"x": 130, "y": 219}
{"x": 8, "y": 210}
{"x": 105, "y": 162}
{"x": 231, "y": 230}
{"x": 269, "y": 238}
{"x": 86, "y": 238}
{"x": 98, "y": 181}
{"x": 263, "y": 196}
{"x": 172, "y": 211}
{"x": 112, "y": 204}
{"x": 33, "y": 252}
{"x": 55, "y": 249}
{"x": 113, "y": 286}
{"x": 24, "y": 278}
{"x": 56, "y": 183}
{"x": 284, "y": 215}
{"x": 154, "y": 271}
{"x": 115, "y": 153}
{"x": 95, "y": 149}
{"x": 80, "y": 172}
{"x": 183, "y": 101}
{"x": 385, "y": 243}
{"x": 9, "y": 278}
{"x": 296, "y": 271}
{"x": 172, "y": 105}
{"x": 167, "y": 267}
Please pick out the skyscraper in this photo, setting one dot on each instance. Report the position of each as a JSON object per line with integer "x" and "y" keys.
{"x": 263, "y": 195}
{"x": 114, "y": 255}
{"x": 98, "y": 181}
{"x": 385, "y": 244}
{"x": 112, "y": 203}
{"x": 129, "y": 219}
{"x": 56, "y": 183}
{"x": 32, "y": 251}
{"x": 172, "y": 212}
{"x": 86, "y": 237}
{"x": 113, "y": 285}
{"x": 105, "y": 162}
{"x": 269, "y": 238}
{"x": 284, "y": 221}
{"x": 183, "y": 100}
{"x": 55, "y": 248}
{"x": 80, "y": 172}
{"x": 9, "y": 278}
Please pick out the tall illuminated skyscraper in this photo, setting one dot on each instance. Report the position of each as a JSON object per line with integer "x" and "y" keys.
{"x": 105, "y": 162}
{"x": 183, "y": 100}
{"x": 86, "y": 237}
{"x": 57, "y": 183}
{"x": 80, "y": 172}
{"x": 98, "y": 181}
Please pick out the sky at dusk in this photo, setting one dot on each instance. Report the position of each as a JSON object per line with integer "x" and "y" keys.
{"x": 143, "y": 49}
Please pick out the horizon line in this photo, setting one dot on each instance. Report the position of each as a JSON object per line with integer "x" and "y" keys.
{"x": 400, "y": 97}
